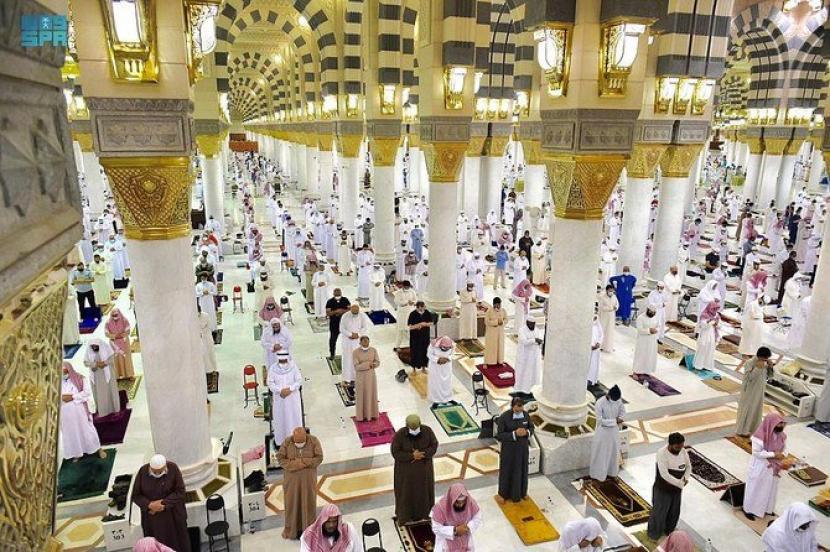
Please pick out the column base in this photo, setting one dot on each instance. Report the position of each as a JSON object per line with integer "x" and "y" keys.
{"x": 197, "y": 475}
{"x": 439, "y": 306}
{"x": 385, "y": 260}
{"x": 564, "y": 415}
{"x": 814, "y": 370}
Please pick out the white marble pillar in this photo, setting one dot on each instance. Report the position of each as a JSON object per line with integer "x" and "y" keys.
{"x": 349, "y": 186}
{"x": 472, "y": 182}
{"x": 398, "y": 172}
{"x": 325, "y": 165}
{"x": 753, "y": 173}
{"x": 816, "y": 171}
{"x": 768, "y": 179}
{"x": 786, "y": 179}
{"x": 815, "y": 349}
{"x": 213, "y": 188}
{"x": 443, "y": 213}
{"x": 694, "y": 180}
{"x": 669, "y": 225}
{"x": 423, "y": 186}
{"x": 312, "y": 171}
{"x": 79, "y": 156}
{"x": 492, "y": 172}
{"x": 414, "y": 181}
{"x": 384, "y": 232}
{"x": 96, "y": 188}
{"x": 534, "y": 193}
{"x": 636, "y": 211}
{"x": 742, "y": 156}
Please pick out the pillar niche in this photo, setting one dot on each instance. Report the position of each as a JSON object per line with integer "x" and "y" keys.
{"x": 492, "y": 173}
{"x": 472, "y": 176}
{"x": 213, "y": 177}
{"x": 534, "y": 184}
{"x": 753, "y": 166}
{"x": 153, "y": 197}
{"x": 676, "y": 164}
{"x": 581, "y": 186}
{"x": 443, "y": 162}
{"x": 384, "y": 153}
{"x": 768, "y": 179}
{"x": 349, "y": 180}
{"x": 637, "y": 207}
{"x": 786, "y": 177}
{"x": 325, "y": 166}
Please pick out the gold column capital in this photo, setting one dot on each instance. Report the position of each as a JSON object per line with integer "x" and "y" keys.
{"x": 444, "y": 160}
{"x": 209, "y": 144}
{"x": 384, "y": 151}
{"x": 755, "y": 143}
{"x": 325, "y": 141}
{"x": 350, "y": 144}
{"x": 475, "y": 146}
{"x": 581, "y": 184}
{"x": 84, "y": 140}
{"x": 532, "y": 151}
{"x": 793, "y": 147}
{"x": 494, "y": 146}
{"x": 775, "y": 146}
{"x": 414, "y": 141}
{"x": 152, "y": 195}
{"x": 644, "y": 159}
{"x": 826, "y": 156}
{"x": 677, "y": 161}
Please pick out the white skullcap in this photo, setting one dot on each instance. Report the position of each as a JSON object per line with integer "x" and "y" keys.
{"x": 158, "y": 461}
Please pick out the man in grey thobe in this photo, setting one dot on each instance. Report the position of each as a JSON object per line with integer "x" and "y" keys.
{"x": 605, "y": 445}
{"x": 514, "y": 429}
{"x": 751, "y": 404}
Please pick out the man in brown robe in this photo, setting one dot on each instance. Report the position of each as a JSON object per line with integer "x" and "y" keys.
{"x": 366, "y": 385}
{"x": 159, "y": 492}
{"x": 413, "y": 448}
{"x": 494, "y": 333}
{"x": 299, "y": 456}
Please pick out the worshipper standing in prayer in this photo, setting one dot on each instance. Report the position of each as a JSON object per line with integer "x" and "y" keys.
{"x": 521, "y": 298}
{"x": 596, "y": 343}
{"x": 269, "y": 311}
{"x": 365, "y": 262}
{"x": 673, "y": 291}
{"x": 275, "y": 339}
{"x": 455, "y": 517}
{"x": 788, "y": 270}
{"x": 753, "y": 389}
{"x": 439, "y": 382}
{"x": 624, "y": 287}
{"x": 513, "y": 432}
{"x": 405, "y": 299}
{"x": 645, "y": 348}
{"x": 673, "y": 470}
{"x": 412, "y": 448}
{"x": 793, "y": 531}
{"x": 82, "y": 279}
{"x": 206, "y": 296}
{"x": 468, "y": 321}
{"x": 677, "y": 541}
{"x": 605, "y": 445}
{"x": 285, "y": 381}
{"x": 765, "y": 467}
{"x": 331, "y": 533}
{"x": 752, "y": 326}
{"x": 417, "y": 237}
{"x": 376, "y": 290}
{"x": 502, "y": 256}
{"x": 336, "y": 307}
{"x": 321, "y": 282}
{"x": 101, "y": 281}
{"x": 657, "y": 301}
{"x": 528, "y": 359}
{"x": 538, "y": 270}
{"x": 582, "y": 535}
{"x": 707, "y": 339}
{"x": 366, "y": 360}
{"x": 419, "y": 322}
{"x": 520, "y": 267}
{"x": 117, "y": 330}
{"x": 78, "y": 434}
{"x": 299, "y": 456}
{"x": 158, "y": 490}
{"x": 99, "y": 359}
{"x": 494, "y": 333}
{"x": 608, "y": 306}
{"x": 206, "y": 338}
{"x": 353, "y": 324}
{"x": 793, "y": 294}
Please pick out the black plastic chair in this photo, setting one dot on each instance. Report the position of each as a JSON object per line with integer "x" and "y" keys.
{"x": 480, "y": 393}
{"x": 370, "y": 528}
{"x": 215, "y": 529}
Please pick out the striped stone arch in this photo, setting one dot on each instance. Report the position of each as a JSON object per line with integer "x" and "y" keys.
{"x": 409, "y": 17}
{"x": 526, "y": 70}
{"x": 501, "y": 56}
{"x": 733, "y": 93}
{"x": 761, "y": 30}
{"x": 807, "y": 72}
{"x": 262, "y": 64}
{"x": 323, "y": 28}
{"x": 248, "y": 97}
{"x": 352, "y": 41}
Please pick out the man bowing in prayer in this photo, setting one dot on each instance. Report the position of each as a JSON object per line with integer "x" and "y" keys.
{"x": 439, "y": 382}
{"x": 158, "y": 490}
{"x": 412, "y": 448}
{"x": 455, "y": 517}
{"x": 78, "y": 433}
{"x": 285, "y": 381}
{"x": 582, "y": 535}
{"x": 494, "y": 333}
{"x": 353, "y": 324}
{"x": 331, "y": 533}
{"x": 513, "y": 432}
{"x": 605, "y": 445}
{"x": 299, "y": 456}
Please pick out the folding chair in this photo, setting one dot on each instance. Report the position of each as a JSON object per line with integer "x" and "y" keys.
{"x": 249, "y": 383}
{"x": 480, "y": 393}
{"x": 285, "y": 304}
{"x": 237, "y": 299}
{"x": 370, "y": 528}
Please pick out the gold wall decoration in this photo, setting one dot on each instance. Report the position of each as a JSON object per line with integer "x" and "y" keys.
{"x": 30, "y": 386}
{"x": 384, "y": 151}
{"x": 84, "y": 140}
{"x": 677, "y": 161}
{"x": 775, "y": 146}
{"x": 475, "y": 146}
{"x": 325, "y": 141}
{"x": 152, "y": 195}
{"x": 210, "y": 144}
{"x": 644, "y": 159}
{"x": 444, "y": 160}
{"x": 494, "y": 146}
{"x": 350, "y": 145}
{"x": 581, "y": 184}
{"x": 532, "y": 150}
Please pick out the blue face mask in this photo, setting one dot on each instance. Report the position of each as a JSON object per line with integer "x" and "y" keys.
{"x": 518, "y": 415}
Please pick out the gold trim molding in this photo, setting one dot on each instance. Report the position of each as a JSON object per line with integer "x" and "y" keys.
{"x": 384, "y": 151}
{"x": 755, "y": 144}
{"x": 210, "y": 144}
{"x": 475, "y": 146}
{"x": 532, "y": 150}
{"x": 350, "y": 145}
{"x": 84, "y": 140}
{"x": 444, "y": 160}
{"x": 644, "y": 159}
{"x": 414, "y": 141}
{"x": 152, "y": 195}
{"x": 325, "y": 141}
{"x": 677, "y": 161}
{"x": 581, "y": 184}
{"x": 494, "y": 146}
{"x": 775, "y": 146}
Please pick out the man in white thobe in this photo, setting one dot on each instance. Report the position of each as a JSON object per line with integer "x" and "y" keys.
{"x": 528, "y": 358}
{"x": 275, "y": 339}
{"x": 657, "y": 300}
{"x": 78, "y": 434}
{"x": 520, "y": 267}
{"x": 115, "y": 251}
{"x": 673, "y": 283}
{"x": 377, "y": 290}
{"x": 405, "y": 299}
{"x": 365, "y": 261}
{"x": 285, "y": 381}
{"x": 460, "y": 270}
{"x": 321, "y": 282}
{"x": 605, "y": 444}
{"x": 439, "y": 380}
{"x": 645, "y": 348}
{"x": 596, "y": 343}
{"x": 353, "y": 324}
{"x": 468, "y": 322}
{"x": 608, "y": 305}
{"x": 206, "y": 297}
{"x": 475, "y": 272}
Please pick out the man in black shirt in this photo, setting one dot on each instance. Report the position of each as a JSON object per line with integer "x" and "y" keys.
{"x": 335, "y": 308}
{"x": 525, "y": 243}
{"x": 420, "y": 322}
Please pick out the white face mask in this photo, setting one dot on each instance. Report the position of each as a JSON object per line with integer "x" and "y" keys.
{"x": 362, "y": 348}
{"x": 415, "y": 432}
{"x": 158, "y": 475}
{"x": 299, "y": 445}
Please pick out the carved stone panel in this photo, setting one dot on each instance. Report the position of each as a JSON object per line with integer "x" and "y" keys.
{"x": 135, "y": 127}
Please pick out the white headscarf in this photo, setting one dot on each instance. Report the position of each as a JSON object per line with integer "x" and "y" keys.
{"x": 579, "y": 530}
{"x": 709, "y": 293}
{"x": 283, "y": 368}
{"x": 104, "y": 354}
{"x": 782, "y": 534}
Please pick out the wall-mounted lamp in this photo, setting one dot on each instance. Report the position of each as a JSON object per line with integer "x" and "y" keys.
{"x": 477, "y": 81}
{"x": 762, "y": 115}
{"x": 522, "y": 103}
{"x": 480, "y": 108}
{"x": 799, "y": 115}
{"x": 683, "y": 96}
{"x": 130, "y": 28}
{"x": 310, "y": 110}
{"x": 351, "y": 105}
{"x": 553, "y": 52}
{"x": 505, "y": 107}
{"x": 664, "y": 94}
{"x": 387, "y": 99}
{"x": 702, "y": 95}
{"x": 618, "y": 51}
{"x": 454, "y": 87}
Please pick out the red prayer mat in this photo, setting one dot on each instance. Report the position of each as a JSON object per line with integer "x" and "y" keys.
{"x": 374, "y": 433}
{"x": 492, "y": 372}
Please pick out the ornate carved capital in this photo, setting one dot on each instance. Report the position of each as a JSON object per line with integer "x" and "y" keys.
{"x": 793, "y": 147}
{"x": 210, "y": 144}
{"x": 581, "y": 184}
{"x": 677, "y": 161}
{"x": 644, "y": 159}
{"x": 84, "y": 140}
{"x": 494, "y": 146}
{"x": 384, "y": 151}
{"x": 475, "y": 146}
{"x": 324, "y": 140}
{"x": 826, "y": 156}
{"x": 756, "y": 145}
{"x": 350, "y": 145}
{"x": 152, "y": 194}
{"x": 444, "y": 160}
{"x": 532, "y": 151}
{"x": 775, "y": 146}
{"x": 414, "y": 140}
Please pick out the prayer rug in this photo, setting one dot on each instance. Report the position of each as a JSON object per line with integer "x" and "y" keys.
{"x": 374, "y": 433}
{"x": 218, "y": 340}
{"x": 318, "y": 325}
{"x": 679, "y": 327}
{"x": 335, "y": 365}
{"x": 130, "y": 385}
{"x": 87, "y": 325}
{"x": 734, "y": 339}
{"x": 808, "y": 476}
{"x": 455, "y": 420}
{"x": 703, "y": 373}
{"x": 70, "y": 350}
{"x": 135, "y": 346}
{"x": 500, "y": 375}
{"x": 655, "y": 385}
{"x": 651, "y": 545}
{"x": 623, "y": 502}
{"x": 529, "y": 522}
{"x": 727, "y": 348}
{"x": 111, "y": 428}
{"x": 309, "y": 308}
{"x": 759, "y": 524}
{"x": 380, "y": 318}
{"x": 419, "y": 380}
{"x": 121, "y": 284}
{"x": 114, "y": 294}
{"x": 416, "y": 536}
{"x": 668, "y": 352}
{"x": 544, "y": 288}
{"x": 470, "y": 347}
{"x": 218, "y": 318}
{"x": 105, "y": 309}
{"x": 212, "y": 382}
{"x": 821, "y": 505}
{"x": 404, "y": 355}
{"x": 257, "y": 332}
{"x": 821, "y": 427}
{"x": 724, "y": 385}
{"x": 598, "y": 390}
{"x": 741, "y": 442}
{"x": 348, "y": 401}
{"x": 709, "y": 474}
{"x": 87, "y": 477}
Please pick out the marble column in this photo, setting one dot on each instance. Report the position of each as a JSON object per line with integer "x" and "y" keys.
{"x": 676, "y": 164}
{"x": 79, "y": 156}
{"x": 534, "y": 183}
{"x": 414, "y": 181}
{"x": 768, "y": 179}
{"x": 577, "y": 233}
{"x": 325, "y": 164}
{"x": 384, "y": 153}
{"x": 157, "y": 228}
{"x": 786, "y": 180}
{"x": 312, "y": 171}
{"x": 302, "y": 168}
{"x": 753, "y": 167}
{"x": 213, "y": 177}
{"x": 815, "y": 349}
{"x": 96, "y": 188}
{"x": 350, "y": 148}
{"x": 694, "y": 180}
{"x": 398, "y": 172}
{"x": 443, "y": 161}
{"x": 816, "y": 171}
{"x": 490, "y": 178}
{"x": 637, "y": 205}
{"x": 472, "y": 181}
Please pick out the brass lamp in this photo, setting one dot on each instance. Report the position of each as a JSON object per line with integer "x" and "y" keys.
{"x": 553, "y": 52}
{"x": 454, "y": 87}
{"x": 664, "y": 94}
{"x": 702, "y": 95}
{"x": 387, "y": 99}
{"x": 480, "y": 108}
{"x": 351, "y": 104}
{"x": 683, "y": 95}
{"x": 130, "y": 27}
{"x": 618, "y": 51}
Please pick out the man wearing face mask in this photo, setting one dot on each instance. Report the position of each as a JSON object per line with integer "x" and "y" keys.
{"x": 331, "y": 533}
{"x": 673, "y": 471}
{"x": 353, "y": 324}
{"x": 159, "y": 492}
{"x": 99, "y": 358}
{"x": 645, "y": 348}
{"x": 275, "y": 339}
{"x": 420, "y": 322}
{"x": 299, "y": 456}
{"x": 285, "y": 381}
{"x": 412, "y": 448}
{"x": 82, "y": 279}
{"x": 494, "y": 321}
{"x": 605, "y": 445}
{"x": 673, "y": 282}
{"x": 513, "y": 432}
{"x": 468, "y": 321}
{"x": 366, "y": 360}
{"x": 608, "y": 305}
{"x": 78, "y": 434}
{"x": 596, "y": 343}
{"x": 528, "y": 358}
{"x": 336, "y": 307}
{"x": 439, "y": 388}
{"x": 624, "y": 287}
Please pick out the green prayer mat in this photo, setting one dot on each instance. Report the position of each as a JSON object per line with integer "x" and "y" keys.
{"x": 470, "y": 347}
{"x": 130, "y": 385}
{"x": 455, "y": 420}
{"x": 335, "y": 365}
{"x": 87, "y": 477}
